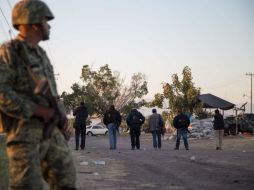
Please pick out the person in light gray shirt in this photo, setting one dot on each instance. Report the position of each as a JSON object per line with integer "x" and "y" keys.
{"x": 155, "y": 125}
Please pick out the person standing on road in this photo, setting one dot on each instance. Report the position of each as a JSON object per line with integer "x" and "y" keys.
{"x": 112, "y": 119}
{"x": 134, "y": 121}
{"x": 156, "y": 126}
{"x": 30, "y": 109}
{"x": 181, "y": 123}
{"x": 81, "y": 114}
{"x": 218, "y": 126}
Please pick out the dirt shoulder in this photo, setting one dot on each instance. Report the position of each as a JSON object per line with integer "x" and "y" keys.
{"x": 202, "y": 167}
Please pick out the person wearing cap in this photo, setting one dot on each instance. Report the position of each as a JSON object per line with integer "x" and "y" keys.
{"x": 155, "y": 125}
{"x": 36, "y": 145}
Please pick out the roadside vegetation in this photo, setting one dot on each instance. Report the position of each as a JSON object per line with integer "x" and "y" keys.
{"x": 102, "y": 88}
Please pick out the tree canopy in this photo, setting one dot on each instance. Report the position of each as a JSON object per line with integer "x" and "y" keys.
{"x": 180, "y": 94}
{"x": 103, "y": 88}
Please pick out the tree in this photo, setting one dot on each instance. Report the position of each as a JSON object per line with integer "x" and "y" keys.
{"x": 73, "y": 99}
{"x": 131, "y": 97}
{"x": 103, "y": 88}
{"x": 180, "y": 94}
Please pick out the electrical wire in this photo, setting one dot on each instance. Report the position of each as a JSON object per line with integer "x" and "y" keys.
{"x": 3, "y": 29}
{"x": 10, "y": 29}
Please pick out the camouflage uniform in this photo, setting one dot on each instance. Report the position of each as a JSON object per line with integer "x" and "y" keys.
{"x": 31, "y": 157}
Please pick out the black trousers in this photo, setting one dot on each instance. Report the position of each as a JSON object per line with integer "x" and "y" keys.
{"x": 135, "y": 133}
{"x": 80, "y": 131}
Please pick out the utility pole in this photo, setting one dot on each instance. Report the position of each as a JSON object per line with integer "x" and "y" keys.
{"x": 250, "y": 74}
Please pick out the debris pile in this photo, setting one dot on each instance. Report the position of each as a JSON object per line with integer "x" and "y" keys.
{"x": 201, "y": 129}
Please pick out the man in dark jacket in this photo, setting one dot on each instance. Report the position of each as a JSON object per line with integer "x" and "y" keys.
{"x": 181, "y": 123}
{"x": 218, "y": 126}
{"x": 112, "y": 119}
{"x": 134, "y": 121}
{"x": 81, "y": 114}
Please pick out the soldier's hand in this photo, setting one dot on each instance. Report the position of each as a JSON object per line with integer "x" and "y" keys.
{"x": 44, "y": 112}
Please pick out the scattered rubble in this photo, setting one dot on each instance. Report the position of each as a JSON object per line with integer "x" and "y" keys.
{"x": 192, "y": 158}
{"x": 83, "y": 163}
{"x": 198, "y": 129}
{"x": 99, "y": 162}
{"x": 201, "y": 129}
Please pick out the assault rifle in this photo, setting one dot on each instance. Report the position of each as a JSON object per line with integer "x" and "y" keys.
{"x": 44, "y": 88}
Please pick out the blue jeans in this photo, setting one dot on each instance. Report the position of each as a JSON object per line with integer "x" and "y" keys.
{"x": 112, "y": 129}
{"x": 156, "y": 138}
{"x": 182, "y": 132}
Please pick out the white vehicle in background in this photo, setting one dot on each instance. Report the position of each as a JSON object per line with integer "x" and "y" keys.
{"x": 96, "y": 130}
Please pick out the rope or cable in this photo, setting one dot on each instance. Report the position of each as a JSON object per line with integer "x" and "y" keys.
{"x": 11, "y": 32}
{"x": 5, "y": 34}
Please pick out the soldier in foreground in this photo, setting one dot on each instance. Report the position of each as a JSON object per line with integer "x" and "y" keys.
{"x": 29, "y": 108}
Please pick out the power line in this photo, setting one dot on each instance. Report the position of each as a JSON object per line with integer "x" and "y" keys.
{"x": 10, "y": 29}
{"x": 2, "y": 26}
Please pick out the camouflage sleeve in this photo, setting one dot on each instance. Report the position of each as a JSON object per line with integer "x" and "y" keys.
{"x": 11, "y": 103}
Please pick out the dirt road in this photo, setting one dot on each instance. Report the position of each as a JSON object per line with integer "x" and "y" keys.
{"x": 202, "y": 167}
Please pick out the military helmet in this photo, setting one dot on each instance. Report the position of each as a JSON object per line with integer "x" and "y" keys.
{"x": 30, "y": 12}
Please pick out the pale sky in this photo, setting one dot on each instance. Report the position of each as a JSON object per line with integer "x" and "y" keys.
{"x": 215, "y": 38}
